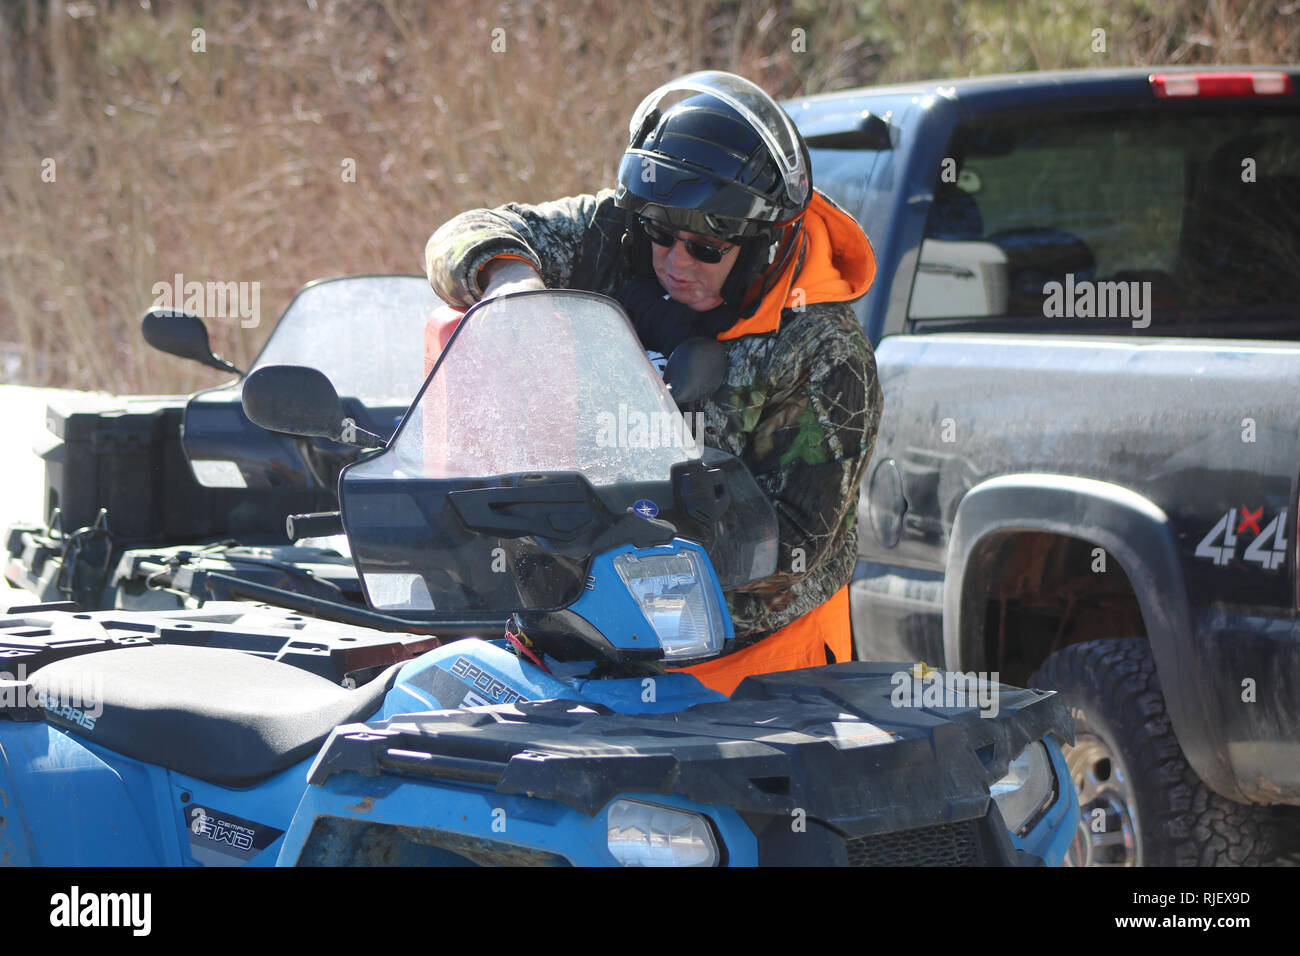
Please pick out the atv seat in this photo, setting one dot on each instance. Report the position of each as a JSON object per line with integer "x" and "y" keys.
{"x": 219, "y": 715}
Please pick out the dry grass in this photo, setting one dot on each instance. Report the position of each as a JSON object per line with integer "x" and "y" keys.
{"x": 228, "y": 164}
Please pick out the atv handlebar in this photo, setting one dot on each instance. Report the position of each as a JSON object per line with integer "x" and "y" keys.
{"x": 320, "y": 524}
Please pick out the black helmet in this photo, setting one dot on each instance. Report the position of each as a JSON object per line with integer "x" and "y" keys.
{"x": 713, "y": 154}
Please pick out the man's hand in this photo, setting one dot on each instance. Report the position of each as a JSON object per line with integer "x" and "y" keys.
{"x": 501, "y": 276}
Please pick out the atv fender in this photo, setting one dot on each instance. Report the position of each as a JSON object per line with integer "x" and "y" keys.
{"x": 44, "y": 776}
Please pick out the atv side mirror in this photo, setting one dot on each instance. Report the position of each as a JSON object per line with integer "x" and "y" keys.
{"x": 695, "y": 370}
{"x": 182, "y": 334}
{"x": 301, "y": 401}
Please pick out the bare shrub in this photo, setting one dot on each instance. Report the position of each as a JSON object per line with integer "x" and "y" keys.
{"x": 229, "y": 164}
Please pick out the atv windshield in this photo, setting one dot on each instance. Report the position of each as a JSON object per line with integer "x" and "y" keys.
{"x": 542, "y": 428}
{"x": 554, "y": 382}
{"x": 366, "y": 333}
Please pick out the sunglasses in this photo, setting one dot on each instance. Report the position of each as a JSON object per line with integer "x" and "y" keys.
{"x": 708, "y": 254}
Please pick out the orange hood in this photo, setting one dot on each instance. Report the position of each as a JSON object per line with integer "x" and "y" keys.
{"x": 838, "y": 266}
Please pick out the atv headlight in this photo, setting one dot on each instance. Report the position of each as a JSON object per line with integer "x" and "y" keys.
{"x": 679, "y": 600}
{"x": 1027, "y": 788}
{"x": 646, "y": 834}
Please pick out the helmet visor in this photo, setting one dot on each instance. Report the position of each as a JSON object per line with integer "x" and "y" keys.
{"x": 689, "y": 199}
{"x": 757, "y": 108}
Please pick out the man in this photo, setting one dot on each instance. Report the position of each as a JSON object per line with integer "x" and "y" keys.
{"x": 715, "y": 230}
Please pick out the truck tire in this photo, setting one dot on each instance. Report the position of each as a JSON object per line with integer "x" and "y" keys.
{"x": 1141, "y": 802}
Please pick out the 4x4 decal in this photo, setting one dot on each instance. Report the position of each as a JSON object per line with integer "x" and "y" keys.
{"x": 1258, "y": 551}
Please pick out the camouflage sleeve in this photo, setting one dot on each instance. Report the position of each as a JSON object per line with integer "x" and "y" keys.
{"x": 811, "y": 439}
{"x": 548, "y": 235}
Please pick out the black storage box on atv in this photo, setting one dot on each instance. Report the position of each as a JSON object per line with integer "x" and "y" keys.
{"x": 124, "y": 455}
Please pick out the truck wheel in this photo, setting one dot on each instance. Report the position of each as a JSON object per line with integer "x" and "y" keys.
{"x": 1141, "y": 802}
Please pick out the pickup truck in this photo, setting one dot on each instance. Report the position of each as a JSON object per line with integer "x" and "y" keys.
{"x": 1085, "y": 320}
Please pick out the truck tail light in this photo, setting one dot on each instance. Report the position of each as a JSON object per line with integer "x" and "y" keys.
{"x": 1188, "y": 85}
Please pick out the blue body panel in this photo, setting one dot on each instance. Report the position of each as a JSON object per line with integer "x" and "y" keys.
{"x": 68, "y": 802}
{"x": 1050, "y": 837}
{"x": 468, "y": 673}
{"x": 473, "y": 672}
{"x": 648, "y": 695}
{"x": 478, "y": 813}
{"x": 606, "y": 598}
{"x": 66, "y": 805}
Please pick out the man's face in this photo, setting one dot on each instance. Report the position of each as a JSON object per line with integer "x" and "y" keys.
{"x": 687, "y": 280}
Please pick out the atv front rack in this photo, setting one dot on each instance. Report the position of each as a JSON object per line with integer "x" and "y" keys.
{"x": 769, "y": 753}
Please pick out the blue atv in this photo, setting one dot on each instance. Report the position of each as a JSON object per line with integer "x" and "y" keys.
{"x": 570, "y": 519}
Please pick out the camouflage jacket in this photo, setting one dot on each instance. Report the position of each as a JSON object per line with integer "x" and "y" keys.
{"x": 801, "y": 402}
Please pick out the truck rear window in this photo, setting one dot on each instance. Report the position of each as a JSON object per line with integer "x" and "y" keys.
{"x": 1168, "y": 222}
